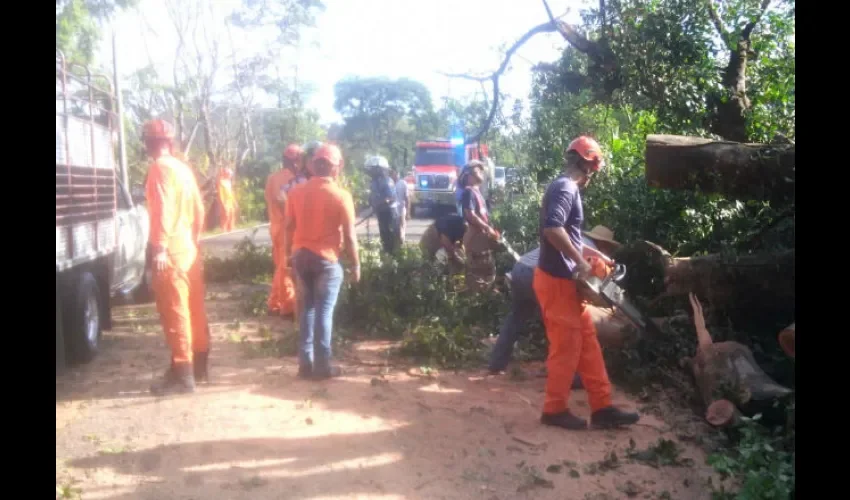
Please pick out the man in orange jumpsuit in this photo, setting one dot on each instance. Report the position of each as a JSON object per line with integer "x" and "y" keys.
{"x": 176, "y": 221}
{"x": 573, "y": 345}
{"x": 282, "y": 297}
{"x": 226, "y": 200}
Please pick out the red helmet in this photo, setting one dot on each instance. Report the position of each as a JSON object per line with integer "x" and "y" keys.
{"x": 293, "y": 152}
{"x": 158, "y": 129}
{"x": 329, "y": 153}
{"x": 588, "y": 149}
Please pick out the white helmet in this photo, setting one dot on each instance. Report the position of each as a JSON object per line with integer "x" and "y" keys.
{"x": 377, "y": 161}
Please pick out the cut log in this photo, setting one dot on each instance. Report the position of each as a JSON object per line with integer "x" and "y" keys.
{"x": 727, "y": 370}
{"x": 722, "y": 413}
{"x": 786, "y": 340}
{"x": 742, "y": 171}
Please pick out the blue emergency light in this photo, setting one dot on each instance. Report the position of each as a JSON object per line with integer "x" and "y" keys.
{"x": 457, "y": 141}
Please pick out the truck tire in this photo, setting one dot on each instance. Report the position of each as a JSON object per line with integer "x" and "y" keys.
{"x": 84, "y": 319}
{"x": 60, "y": 334}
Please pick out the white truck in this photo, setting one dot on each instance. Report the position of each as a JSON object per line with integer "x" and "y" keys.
{"x": 101, "y": 234}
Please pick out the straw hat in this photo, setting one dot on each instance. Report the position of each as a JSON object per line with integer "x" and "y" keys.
{"x": 602, "y": 233}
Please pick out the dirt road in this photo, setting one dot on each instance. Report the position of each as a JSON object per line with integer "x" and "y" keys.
{"x": 381, "y": 431}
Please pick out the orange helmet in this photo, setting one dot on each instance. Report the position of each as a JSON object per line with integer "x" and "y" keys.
{"x": 293, "y": 152}
{"x": 588, "y": 149}
{"x": 158, "y": 129}
{"x": 329, "y": 153}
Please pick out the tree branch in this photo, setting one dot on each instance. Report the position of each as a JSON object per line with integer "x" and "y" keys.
{"x": 718, "y": 24}
{"x": 748, "y": 29}
{"x": 548, "y": 27}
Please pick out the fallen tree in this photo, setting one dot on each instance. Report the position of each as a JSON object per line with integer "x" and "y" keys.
{"x": 748, "y": 287}
{"x": 743, "y": 171}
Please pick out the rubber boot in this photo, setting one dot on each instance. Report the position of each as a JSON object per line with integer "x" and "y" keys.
{"x": 179, "y": 379}
{"x": 201, "y": 361}
{"x": 610, "y": 417}
{"x": 565, "y": 419}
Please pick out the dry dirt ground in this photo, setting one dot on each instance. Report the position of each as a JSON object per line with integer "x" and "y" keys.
{"x": 382, "y": 431}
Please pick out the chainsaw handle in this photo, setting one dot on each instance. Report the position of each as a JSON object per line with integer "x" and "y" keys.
{"x": 618, "y": 273}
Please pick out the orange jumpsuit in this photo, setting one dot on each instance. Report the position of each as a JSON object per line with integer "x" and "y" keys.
{"x": 282, "y": 296}
{"x": 176, "y": 221}
{"x": 226, "y": 200}
{"x": 573, "y": 346}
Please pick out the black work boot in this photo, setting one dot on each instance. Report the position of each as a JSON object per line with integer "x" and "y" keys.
{"x": 201, "y": 363}
{"x": 610, "y": 417}
{"x": 564, "y": 419}
{"x": 179, "y": 379}
{"x": 305, "y": 371}
{"x": 331, "y": 372}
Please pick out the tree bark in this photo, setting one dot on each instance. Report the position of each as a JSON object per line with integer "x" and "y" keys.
{"x": 743, "y": 171}
{"x": 749, "y": 282}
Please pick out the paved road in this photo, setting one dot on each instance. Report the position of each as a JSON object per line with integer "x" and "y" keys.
{"x": 220, "y": 245}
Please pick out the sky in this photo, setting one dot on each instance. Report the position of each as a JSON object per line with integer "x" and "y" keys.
{"x": 416, "y": 39}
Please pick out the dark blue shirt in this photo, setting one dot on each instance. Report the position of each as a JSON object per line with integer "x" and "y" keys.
{"x": 382, "y": 189}
{"x": 561, "y": 207}
{"x": 451, "y": 226}
{"x": 468, "y": 201}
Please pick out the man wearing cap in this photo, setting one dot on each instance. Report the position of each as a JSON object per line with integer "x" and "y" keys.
{"x": 480, "y": 239}
{"x": 176, "y": 221}
{"x": 319, "y": 226}
{"x": 282, "y": 296}
{"x": 524, "y": 305}
{"x": 573, "y": 345}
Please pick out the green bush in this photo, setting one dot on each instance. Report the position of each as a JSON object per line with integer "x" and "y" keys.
{"x": 249, "y": 263}
{"x": 402, "y": 297}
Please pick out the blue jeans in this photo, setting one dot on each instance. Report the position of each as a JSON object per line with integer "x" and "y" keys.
{"x": 318, "y": 283}
{"x": 524, "y": 307}
{"x": 522, "y": 310}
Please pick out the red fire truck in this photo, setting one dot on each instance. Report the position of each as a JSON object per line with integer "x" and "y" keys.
{"x": 435, "y": 172}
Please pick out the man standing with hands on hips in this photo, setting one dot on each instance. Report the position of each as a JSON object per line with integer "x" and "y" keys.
{"x": 573, "y": 346}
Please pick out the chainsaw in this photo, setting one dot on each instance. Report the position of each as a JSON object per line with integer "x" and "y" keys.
{"x": 607, "y": 292}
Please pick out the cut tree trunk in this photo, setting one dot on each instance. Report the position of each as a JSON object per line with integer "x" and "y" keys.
{"x": 722, "y": 413}
{"x": 745, "y": 287}
{"x": 612, "y": 329}
{"x": 742, "y": 171}
{"x": 755, "y": 286}
{"x": 727, "y": 370}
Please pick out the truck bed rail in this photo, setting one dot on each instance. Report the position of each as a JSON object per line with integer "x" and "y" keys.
{"x": 86, "y": 177}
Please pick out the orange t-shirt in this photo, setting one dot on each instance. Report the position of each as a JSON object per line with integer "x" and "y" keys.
{"x": 319, "y": 209}
{"x": 175, "y": 207}
{"x": 273, "y": 187}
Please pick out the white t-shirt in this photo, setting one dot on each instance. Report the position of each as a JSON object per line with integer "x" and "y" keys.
{"x": 401, "y": 194}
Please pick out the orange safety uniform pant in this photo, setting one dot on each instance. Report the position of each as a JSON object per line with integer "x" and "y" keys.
{"x": 180, "y": 301}
{"x": 227, "y": 214}
{"x": 573, "y": 346}
{"x": 282, "y": 295}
